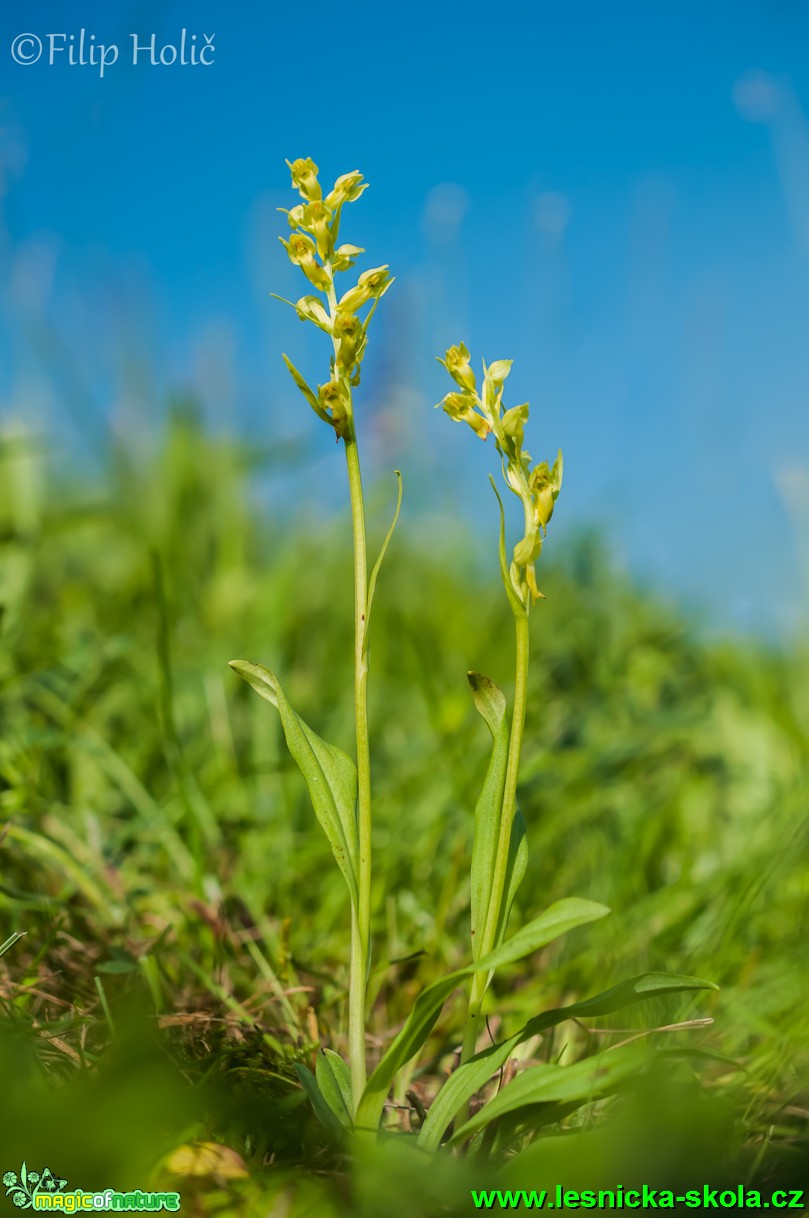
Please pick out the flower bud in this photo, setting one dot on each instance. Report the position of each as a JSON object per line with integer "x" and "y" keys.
{"x": 499, "y": 370}
{"x": 514, "y": 421}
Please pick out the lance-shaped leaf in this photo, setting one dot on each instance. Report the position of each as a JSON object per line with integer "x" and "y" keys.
{"x": 578, "y": 1084}
{"x": 491, "y": 703}
{"x": 557, "y": 920}
{"x": 334, "y": 1081}
{"x": 322, "y": 1109}
{"x": 474, "y": 1074}
{"x": 330, "y": 774}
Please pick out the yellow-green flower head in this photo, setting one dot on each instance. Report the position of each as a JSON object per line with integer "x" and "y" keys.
{"x": 461, "y": 409}
{"x": 537, "y": 488}
{"x": 304, "y": 178}
{"x": 344, "y": 256}
{"x": 316, "y": 220}
{"x": 457, "y": 365}
{"x": 545, "y": 485}
{"x": 347, "y": 188}
{"x": 309, "y": 308}
{"x": 348, "y": 332}
{"x": 370, "y": 284}
{"x": 333, "y": 400}
{"x": 300, "y": 248}
{"x": 301, "y": 251}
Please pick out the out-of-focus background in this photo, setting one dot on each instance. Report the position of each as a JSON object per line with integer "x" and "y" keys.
{"x": 616, "y": 197}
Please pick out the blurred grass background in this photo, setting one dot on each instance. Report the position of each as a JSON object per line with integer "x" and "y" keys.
{"x": 185, "y": 929}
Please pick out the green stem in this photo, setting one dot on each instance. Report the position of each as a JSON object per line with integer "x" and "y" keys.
{"x": 361, "y": 917}
{"x": 361, "y": 922}
{"x": 495, "y": 912}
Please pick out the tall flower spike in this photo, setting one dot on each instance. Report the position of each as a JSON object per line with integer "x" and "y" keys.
{"x": 312, "y": 246}
{"x": 537, "y": 486}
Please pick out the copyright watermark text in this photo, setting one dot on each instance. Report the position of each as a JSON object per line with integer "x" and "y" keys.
{"x": 82, "y": 50}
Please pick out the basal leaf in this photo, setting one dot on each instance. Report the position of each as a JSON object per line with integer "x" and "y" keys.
{"x": 474, "y": 1074}
{"x": 322, "y": 1111}
{"x": 417, "y": 1028}
{"x": 334, "y": 1081}
{"x": 583, "y": 1081}
{"x": 330, "y": 774}
{"x": 555, "y": 921}
{"x": 626, "y": 993}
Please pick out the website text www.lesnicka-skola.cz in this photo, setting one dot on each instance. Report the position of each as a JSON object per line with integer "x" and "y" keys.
{"x": 644, "y": 1198}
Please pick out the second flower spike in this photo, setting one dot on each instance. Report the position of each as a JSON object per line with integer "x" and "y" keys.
{"x": 537, "y": 486}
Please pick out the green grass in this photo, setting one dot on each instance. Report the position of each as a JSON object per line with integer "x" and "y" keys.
{"x": 184, "y": 924}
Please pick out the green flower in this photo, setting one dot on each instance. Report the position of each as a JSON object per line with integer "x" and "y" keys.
{"x": 332, "y": 397}
{"x": 304, "y": 178}
{"x": 348, "y": 332}
{"x": 373, "y": 283}
{"x": 10, "y": 1179}
{"x": 21, "y": 1199}
{"x": 344, "y": 256}
{"x": 301, "y": 251}
{"x": 316, "y": 220}
{"x": 300, "y": 248}
{"x": 457, "y": 365}
{"x": 545, "y": 485}
{"x": 347, "y": 188}
{"x": 461, "y": 409}
{"x": 309, "y": 308}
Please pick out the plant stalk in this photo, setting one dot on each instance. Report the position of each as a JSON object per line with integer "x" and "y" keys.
{"x": 361, "y": 917}
{"x": 480, "y": 981}
{"x": 361, "y": 921}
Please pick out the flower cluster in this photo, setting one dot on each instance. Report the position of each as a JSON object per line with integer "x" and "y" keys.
{"x": 536, "y": 486}
{"x": 313, "y": 247}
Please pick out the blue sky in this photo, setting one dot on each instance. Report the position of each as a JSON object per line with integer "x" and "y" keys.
{"x": 616, "y": 196}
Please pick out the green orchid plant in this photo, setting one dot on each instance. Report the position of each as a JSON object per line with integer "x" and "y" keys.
{"x": 344, "y": 1096}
